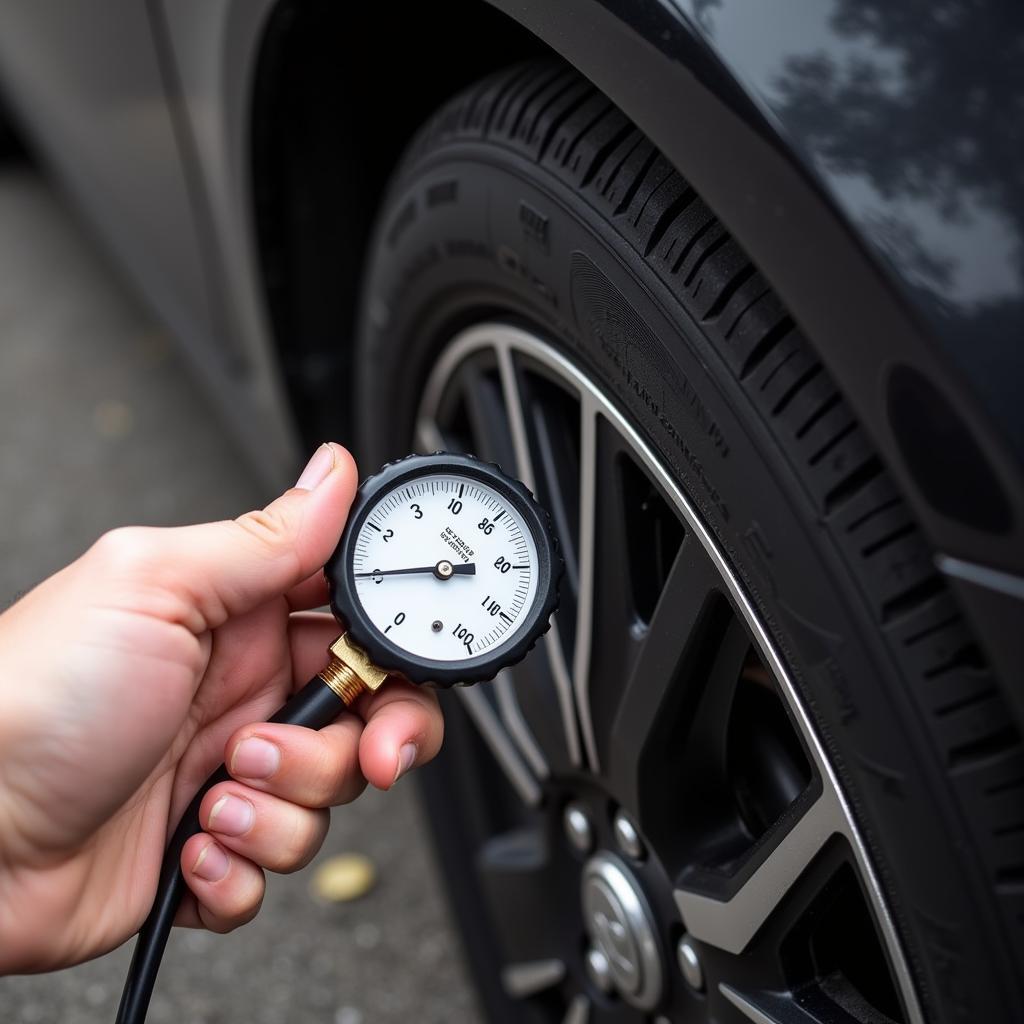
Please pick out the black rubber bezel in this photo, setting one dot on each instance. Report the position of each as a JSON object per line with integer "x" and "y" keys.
{"x": 348, "y": 609}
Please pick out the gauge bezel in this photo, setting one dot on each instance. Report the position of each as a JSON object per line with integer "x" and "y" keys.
{"x": 348, "y": 609}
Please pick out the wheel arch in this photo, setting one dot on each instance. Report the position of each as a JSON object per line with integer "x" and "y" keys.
{"x": 332, "y": 112}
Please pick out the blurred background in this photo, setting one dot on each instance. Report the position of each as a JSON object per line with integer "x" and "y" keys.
{"x": 102, "y": 425}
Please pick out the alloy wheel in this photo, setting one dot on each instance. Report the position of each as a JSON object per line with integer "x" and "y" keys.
{"x": 679, "y": 846}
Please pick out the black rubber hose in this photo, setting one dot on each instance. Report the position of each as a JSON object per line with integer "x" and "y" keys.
{"x": 314, "y": 706}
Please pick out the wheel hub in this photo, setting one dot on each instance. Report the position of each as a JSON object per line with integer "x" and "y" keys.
{"x": 621, "y": 927}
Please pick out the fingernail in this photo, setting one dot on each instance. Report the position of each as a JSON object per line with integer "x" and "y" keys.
{"x": 231, "y": 816}
{"x": 406, "y": 758}
{"x": 212, "y": 864}
{"x": 317, "y": 468}
{"x": 255, "y": 759}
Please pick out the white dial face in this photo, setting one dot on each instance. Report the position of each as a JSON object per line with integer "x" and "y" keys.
{"x": 445, "y": 567}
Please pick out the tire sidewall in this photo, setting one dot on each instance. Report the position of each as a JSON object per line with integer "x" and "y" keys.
{"x": 512, "y": 243}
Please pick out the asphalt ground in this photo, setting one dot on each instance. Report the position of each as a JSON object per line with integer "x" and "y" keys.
{"x": 102, "y": 425}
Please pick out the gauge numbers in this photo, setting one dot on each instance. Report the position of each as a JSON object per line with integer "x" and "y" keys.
{"x": 445, "y": 568}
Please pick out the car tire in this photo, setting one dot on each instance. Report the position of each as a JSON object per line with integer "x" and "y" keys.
{"x": 531, "y": 204}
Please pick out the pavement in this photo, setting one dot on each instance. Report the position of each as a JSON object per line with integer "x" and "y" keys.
{"x": 101, "y": 425}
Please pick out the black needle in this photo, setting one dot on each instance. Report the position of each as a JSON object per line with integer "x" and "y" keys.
{"x": 469, "y": 569}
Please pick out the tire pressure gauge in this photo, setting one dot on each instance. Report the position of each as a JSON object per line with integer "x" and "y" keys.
{"x": 447, "y": 571}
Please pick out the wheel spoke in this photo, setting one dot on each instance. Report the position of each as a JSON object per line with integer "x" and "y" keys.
{"x": 768, "y": 1007}
{"x": 510, "y": 389}
{"x": 585, "y": 595}
{"x": 729, "y": 644}
{"x": 488, "y": 419}
{"x": 731, "y": 922}
{"x": 553, "y": 424}
{"x": 532, "y": 689}
{"x": 429, "y": 437}
{"x": 552, "y": 643}
{"x": 615, "y": 647}
{"x": 578, "y": 1012}
{"x": 520, "y": 981}
{"x": 832, "y": 950}
{"x": 515, "y": 722}
{"x": 663, "y": 687}
{"x": 628, "y": 536}
{"x": 487, "y": 721}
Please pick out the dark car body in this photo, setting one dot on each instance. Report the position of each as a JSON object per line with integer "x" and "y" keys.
{"x": 867, "y": 155}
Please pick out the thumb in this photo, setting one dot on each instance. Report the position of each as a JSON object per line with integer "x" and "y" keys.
{"x": 227, "y": 568}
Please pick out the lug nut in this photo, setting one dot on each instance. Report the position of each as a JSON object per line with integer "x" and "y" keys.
{"x": 689, "y": 964}
{"x": 578, "y": 829}
{"x": 628, "y": 838}
{"x": 598, "y": 969}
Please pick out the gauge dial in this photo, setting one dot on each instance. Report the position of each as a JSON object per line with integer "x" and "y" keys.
{"x": 445, "y": 568}
{"x": 445, "y": 572}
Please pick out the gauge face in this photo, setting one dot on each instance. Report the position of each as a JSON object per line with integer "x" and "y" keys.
{"x": 445, "y": 567}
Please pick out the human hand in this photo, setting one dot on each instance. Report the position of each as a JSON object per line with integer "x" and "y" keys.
{"x": 128, "y": 676}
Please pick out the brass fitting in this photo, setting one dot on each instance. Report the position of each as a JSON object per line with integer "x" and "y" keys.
{"x": 350, "y": 672}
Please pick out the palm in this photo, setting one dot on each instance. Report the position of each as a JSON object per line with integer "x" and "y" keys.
{"x": 243, "y": 672}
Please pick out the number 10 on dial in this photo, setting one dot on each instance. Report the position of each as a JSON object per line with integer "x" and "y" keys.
{"x": 447, "y": 570}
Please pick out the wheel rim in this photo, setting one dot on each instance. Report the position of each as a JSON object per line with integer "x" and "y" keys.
{"x": 675, "y": 924}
